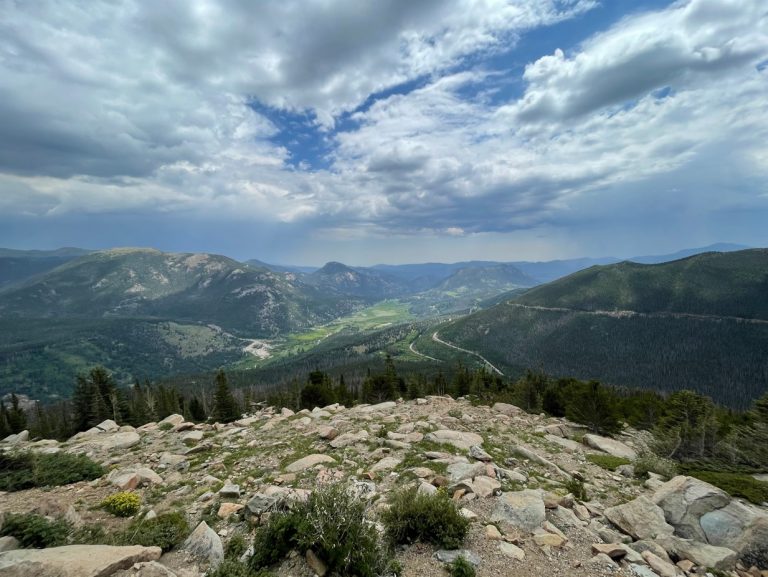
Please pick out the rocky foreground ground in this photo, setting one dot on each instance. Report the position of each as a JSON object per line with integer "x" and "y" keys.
{"x": 508, "y": 471}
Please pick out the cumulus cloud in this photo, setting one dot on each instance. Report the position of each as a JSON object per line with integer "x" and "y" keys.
{"x": 147, "y": 107}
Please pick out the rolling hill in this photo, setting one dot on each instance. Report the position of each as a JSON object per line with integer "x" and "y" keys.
{"x": 17, "y": 266}
{"x": 699, "y": 322}
{"x": 365, "y": 283}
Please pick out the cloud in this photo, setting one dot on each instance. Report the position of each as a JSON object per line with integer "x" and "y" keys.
{"x": 687, "y": 44}
{"x": 146, "y": 108}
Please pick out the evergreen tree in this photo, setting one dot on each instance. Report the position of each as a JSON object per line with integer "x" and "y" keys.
{"x": 17, "y": 417}
{"x": 689, "y": 429}
{"x": 595, "y": 406}
{"x": 5, "y": 428}
{"x": 225, "y": 409}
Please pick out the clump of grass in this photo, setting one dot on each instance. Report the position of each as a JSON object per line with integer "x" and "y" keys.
{"x": 26, "y": 470}
{"x": 608, "y": 462}
{"x": 413, "y": 516}
{"x": 461, "y": 568}
{"x": 124, "y": 504}
{"x": 35, "y": 531}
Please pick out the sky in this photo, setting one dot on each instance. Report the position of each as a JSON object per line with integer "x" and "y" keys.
{"x": 391, "y": 131}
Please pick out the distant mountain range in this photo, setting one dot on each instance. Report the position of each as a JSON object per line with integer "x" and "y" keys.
{"x": 145, "y": 313}
{"x": 700, "y": 322}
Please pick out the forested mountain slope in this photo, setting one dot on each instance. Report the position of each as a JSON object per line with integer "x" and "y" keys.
{"x": 702, "y": 324}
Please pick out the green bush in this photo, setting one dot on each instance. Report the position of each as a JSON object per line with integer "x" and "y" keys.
{"x": 25, "y": 470}
{"x": 608, "y": 462}
{"x": 274, "y": 540}
{"x": 124, "y": 504}
{"x": 335, "y": 527}
{"x": 435, "y": 519}
{"x": 165, "y": 531}
{"x": 651, "y": 463}
{"x": 333, "y": 524}
{"x": 36, "y": 531}
{"x": 736, "y": 484}
{"x": 236, "y": 546}
{"x": 577, "y": 489}
{"x": 461, "y": 568}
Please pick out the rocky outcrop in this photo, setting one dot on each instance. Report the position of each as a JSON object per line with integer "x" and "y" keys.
{"x": 308, "y": 462}
{"x": 610, "y": 446}
{"x": 640, "y": 518}
{"x": 73, "y": 560}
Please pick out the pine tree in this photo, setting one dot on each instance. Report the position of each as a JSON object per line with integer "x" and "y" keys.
{"x": 225, "y": 409}
{"x": 17, "y": 417}
{"x": 593, "y": 405}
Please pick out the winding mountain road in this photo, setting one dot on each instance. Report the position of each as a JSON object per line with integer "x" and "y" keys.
{"x": 415, "y": 352}
{"x": 437, "y": 339}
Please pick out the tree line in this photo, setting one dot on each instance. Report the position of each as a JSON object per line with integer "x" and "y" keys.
{"x": 687, "y": 426}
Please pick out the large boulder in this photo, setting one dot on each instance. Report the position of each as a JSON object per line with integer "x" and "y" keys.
{"x": 74, "y": 560}
{"x": 205, "y": 544}
{"x": 522, "y": 510}
{"x": 685, "y": 500}
{"x": 349, "y": 439}
{"x": 640, "y": 518}
{"x": 459, "y": 439}
{"x": 610, "y": 446}
{"x": 700, "y": 511}
{"x": 507, "y": 409}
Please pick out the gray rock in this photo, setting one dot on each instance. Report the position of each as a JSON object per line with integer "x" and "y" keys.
{"x": 205, "y": 544}
{"x": 700, "y": 553}
{"x": 9, "y": 543}
{"x": 21, "y": 437}
{"x": 308, "y": 462}
{"x": 260, "y": 504}
{"x": 108, "y": 426}
{"x": 445, "y": 556}
{"x": 459, "y": 439}
{"x": 685, "y": 500}
{"x": 640, "y": 518}
{"x": 507, "y": 409}
{"x": 172, "y": 420}
{"x": 349, "y": 439}
{"x": 511, "y": 550}
{"x": 610, "y": 446}
{"x": 386, "y": 464}
{"x": 477, "y": 452}
{"x": 192, "y": 437}
{"x": 230, "y": 491}
{"x": 522, "y": 510}
{"x": 460, "y": 471}
{"x": 74, "y": 560}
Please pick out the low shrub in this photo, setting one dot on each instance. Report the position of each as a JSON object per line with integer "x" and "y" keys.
{"x": 413, "y": 516}
{"x": 461, "y": 568}
{"x": 608, "y": 462}
{"x": 333, "y": 524}
{"x": 274, "y": 540}
{"x": 35, "y": 531}
{"x": 124, "y": 504}
{"x": 577, "y": 489}
{"x": 25, "y": 470}
{"x": 651, "y": 463}
{"x": 165, "y": 531}
{"x": 736, "y": 484}
{"x": 335, "y": 527}
{"x": 236, "y": 546}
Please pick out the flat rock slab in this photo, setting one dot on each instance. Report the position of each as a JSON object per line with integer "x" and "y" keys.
{"x": 205, "y": 544}
{"x": 522, "y": 510}
{"x": 610, "y": 446}
{"x": 459, "y": 439}
{"x": 74, "y": 560}
{"x": 308, "y": 462}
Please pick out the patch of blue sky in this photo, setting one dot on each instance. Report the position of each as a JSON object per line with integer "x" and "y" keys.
{"x": 311, "y": 146}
